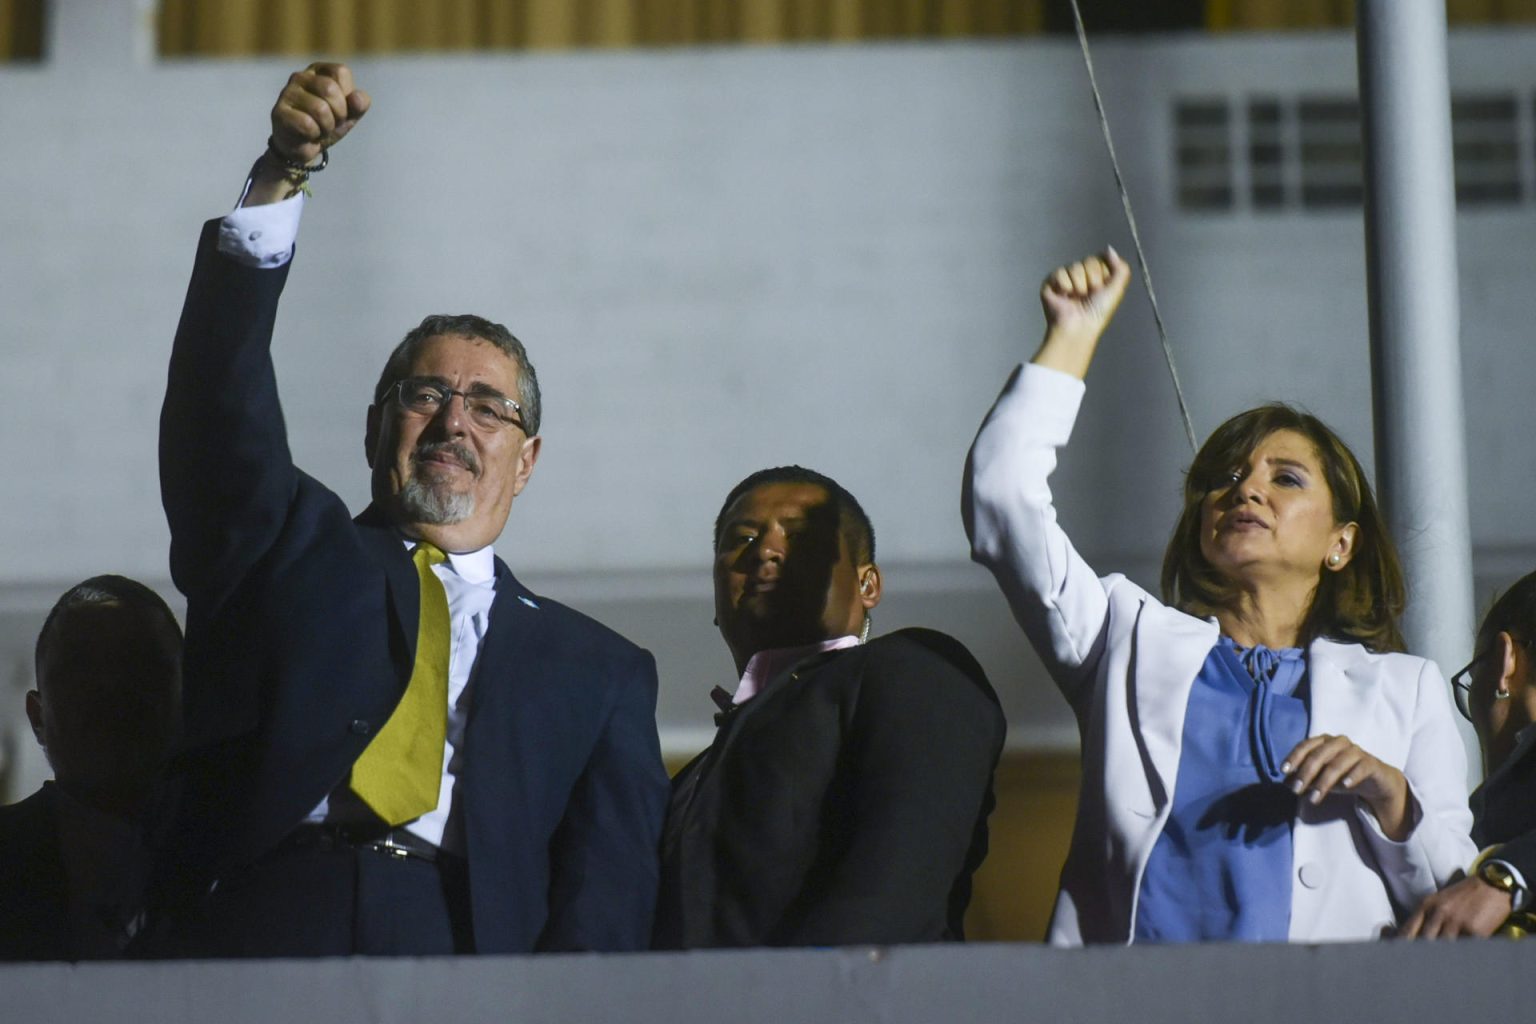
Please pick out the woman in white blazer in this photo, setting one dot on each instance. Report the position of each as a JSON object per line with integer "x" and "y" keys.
{"x": 1270, "y": 654}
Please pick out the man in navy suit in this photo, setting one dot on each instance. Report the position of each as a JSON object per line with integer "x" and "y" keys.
{"x": 308, "y": 631}
{"x": 76, "y": 852}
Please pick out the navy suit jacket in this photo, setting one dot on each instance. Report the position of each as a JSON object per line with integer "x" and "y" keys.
{"x": 1504, "y": 808}
{"x": 301, "y": 627}
{"x": 34, "y": 900}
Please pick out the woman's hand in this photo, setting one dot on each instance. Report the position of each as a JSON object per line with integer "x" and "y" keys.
{"x": 1080, "y": 300}
{"x": 1319, "y": 764}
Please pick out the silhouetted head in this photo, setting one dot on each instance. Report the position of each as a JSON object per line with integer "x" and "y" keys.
{"x": 107, "y": 707}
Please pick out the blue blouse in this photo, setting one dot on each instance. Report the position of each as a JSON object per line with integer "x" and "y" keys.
{"x": 1221, "y": 870}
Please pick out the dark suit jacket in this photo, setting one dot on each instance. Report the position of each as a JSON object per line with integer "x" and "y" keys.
{"x": 1504, "y": 809}
{"x": 34, "y": 903}
{"x": 846, "y": 803}
{"x": 301, "y": 624}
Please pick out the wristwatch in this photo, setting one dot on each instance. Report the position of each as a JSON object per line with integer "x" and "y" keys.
{"x": 1504, "y": 878}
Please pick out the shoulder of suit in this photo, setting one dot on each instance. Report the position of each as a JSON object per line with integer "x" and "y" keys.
{"x": 916, "y": 644}
{"x": 28, "y": 822}
{"x": 604, "y": 640}
{"x": 915, "y": 636}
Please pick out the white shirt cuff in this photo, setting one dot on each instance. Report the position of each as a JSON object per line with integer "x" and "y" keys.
{"x": 262, "y": 236}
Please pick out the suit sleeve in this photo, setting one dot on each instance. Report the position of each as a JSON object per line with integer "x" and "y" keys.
{"x": 921, "y": 749}
{"x": 1436, "y": 768}
{"x": 1521, "y": 853}
{"x": 604, "y": 858}
{"x": 1011, "y": 522}
{"x": 226, "y": 475}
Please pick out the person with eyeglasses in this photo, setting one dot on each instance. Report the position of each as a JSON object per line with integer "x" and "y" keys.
{"x": 391, "y": 745}
{"x": 1496, "y": 692}
{"x": 1261, "y": 762}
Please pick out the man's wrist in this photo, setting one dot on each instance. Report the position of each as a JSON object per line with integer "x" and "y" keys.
{"x": 1505, "y": 877}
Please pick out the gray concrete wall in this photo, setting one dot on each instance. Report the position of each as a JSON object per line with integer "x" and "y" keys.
{"x": 720, "y": 259}
{"x": 1358, "y": 984}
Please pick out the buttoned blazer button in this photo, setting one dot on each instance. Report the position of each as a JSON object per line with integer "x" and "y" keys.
{"x": 1312, "y": 875}
{"x": 359, "y": 727}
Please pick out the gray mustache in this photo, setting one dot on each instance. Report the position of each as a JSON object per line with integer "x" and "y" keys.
{"x": 458, "y": 451}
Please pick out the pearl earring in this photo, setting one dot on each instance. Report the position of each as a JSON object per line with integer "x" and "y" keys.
{"x": 1333, "y": 560}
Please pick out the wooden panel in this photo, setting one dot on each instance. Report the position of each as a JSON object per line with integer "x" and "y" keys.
{"x": 458, "y": 24}
{"x": 550, "y": 26}
{"x": 503, "y": 26}
{"x": 287, "y": 26}
{"x": 917, "y": 17}
{"x": 1471, "y": 11}
{"x": 241, "y": 27}
{"x": 761, "y": 21}
{"x": 1031, "y": 830}
{"x": 336, "y": 29}
{"x": 21, "y": 30}
{"x": 717, "y": 21}
{"x": 234, "y": 32}
{"x": 1276, "y": 15}
{"x": 619, "y": 23}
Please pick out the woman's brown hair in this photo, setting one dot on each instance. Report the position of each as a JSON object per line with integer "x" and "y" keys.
{"x": 1359, "y": 603}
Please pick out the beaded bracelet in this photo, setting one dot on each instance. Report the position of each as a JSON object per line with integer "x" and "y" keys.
{"x": 297, "y": 172}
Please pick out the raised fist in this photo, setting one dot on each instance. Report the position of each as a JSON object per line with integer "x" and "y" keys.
{"x": 1082, "y": 297}
{"x": 315, "y": 110}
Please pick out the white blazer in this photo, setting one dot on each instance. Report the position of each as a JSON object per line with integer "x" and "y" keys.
{"x": 1126, "y": 663}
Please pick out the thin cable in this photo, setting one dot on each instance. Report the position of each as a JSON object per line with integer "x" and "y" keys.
{"x": 1130, "y": 218}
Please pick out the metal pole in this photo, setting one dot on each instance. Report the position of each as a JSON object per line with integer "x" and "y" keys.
{"x": 1410, "y": 231}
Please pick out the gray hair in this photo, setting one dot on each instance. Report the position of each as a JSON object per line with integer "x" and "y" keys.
{"x": 466, "y": 325}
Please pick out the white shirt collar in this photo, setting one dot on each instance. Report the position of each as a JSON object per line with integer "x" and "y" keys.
{"x": 471, "y": 566}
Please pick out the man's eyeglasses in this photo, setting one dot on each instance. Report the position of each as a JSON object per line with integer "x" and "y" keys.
{"x": 487, "y": 410}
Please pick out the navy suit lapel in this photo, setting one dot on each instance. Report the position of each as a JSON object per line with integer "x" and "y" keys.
{"x": 388, "y": 548}
{"x": 516, "y": 624}
{"x": 508, "y": 737}
{"x": 514, "y": 736}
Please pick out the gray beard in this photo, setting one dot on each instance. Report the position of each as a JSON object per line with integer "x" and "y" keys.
{"x": 423, "y": 503}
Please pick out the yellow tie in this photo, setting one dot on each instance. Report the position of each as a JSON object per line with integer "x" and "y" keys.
{"x": 399, "y": 774}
